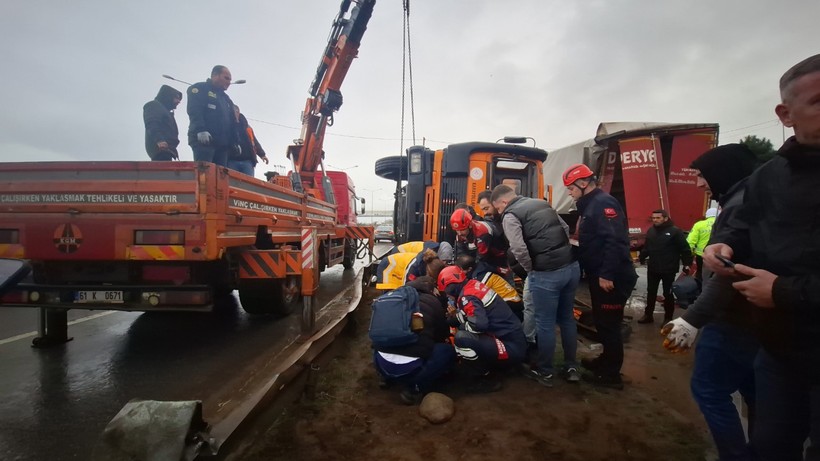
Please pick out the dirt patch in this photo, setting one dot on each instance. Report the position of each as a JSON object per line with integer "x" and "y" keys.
{"x": 351, "y": 418}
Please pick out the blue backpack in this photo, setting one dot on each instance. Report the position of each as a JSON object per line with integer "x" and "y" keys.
{"x": 391, "y": 317}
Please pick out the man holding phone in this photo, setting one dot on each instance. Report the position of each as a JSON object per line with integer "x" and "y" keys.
{"x": 724, "y": 357}
{"x": 776, "y": 231}
{"x": 726, "y": 262}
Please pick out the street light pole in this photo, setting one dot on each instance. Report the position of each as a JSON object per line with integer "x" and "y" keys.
{"x": 237, "y": 82}
{"x": 372, "y": 198}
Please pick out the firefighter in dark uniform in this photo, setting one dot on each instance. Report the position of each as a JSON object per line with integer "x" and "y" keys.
{"x": 603, "y": 251}
{"x": 484, "y": 240}
{"x": 489, "y": 335}
{"x": 212, "y": 130}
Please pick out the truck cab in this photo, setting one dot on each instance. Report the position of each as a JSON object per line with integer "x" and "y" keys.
{"x": 344, "y": 196}
{"x": 432, "y": 182}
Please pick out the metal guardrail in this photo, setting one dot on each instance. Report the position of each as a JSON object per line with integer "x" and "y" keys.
{"x": 295, "y": 361}
{"x": 294, "y": 371}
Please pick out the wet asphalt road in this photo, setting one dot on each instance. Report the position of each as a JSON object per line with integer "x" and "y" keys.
{"x": 57, "y": 401}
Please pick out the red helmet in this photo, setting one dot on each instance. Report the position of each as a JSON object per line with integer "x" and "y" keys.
{"x": 461, "y": 219}
{"x": 576, "y": 172}
{"x": 450, "y": 275}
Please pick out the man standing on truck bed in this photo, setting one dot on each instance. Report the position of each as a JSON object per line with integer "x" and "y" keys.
{"x": 244, "y": 161}
{"x": 212, "y": 133}
{"x": 603, "y": 251}
{"x": 161, "y": 132}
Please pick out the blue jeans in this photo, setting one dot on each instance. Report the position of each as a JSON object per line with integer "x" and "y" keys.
{"x": 424, "y": 378}
{"x": 788, "y": 411}
{"x": 724, "y": 363}
{"x": 242, "y": 166}
{"x": 553, "y": 295}
{"x": 215, "y": 155}
{"x": 529, "y": 313}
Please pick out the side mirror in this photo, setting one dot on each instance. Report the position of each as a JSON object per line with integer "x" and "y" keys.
{"x": 362, "y": 199}
{"x": 12, "y": 271}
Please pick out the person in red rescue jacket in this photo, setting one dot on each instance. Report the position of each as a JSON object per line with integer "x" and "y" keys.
{"x": 483, "y": 240}
{"x": 489, "y": 336}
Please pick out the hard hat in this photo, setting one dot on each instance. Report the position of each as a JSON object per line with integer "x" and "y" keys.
{"x": 576, "y": 172}
{"x": 461, "y": 219}
{"x": 450, "y": 275}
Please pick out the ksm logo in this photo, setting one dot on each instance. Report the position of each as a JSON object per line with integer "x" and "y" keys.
{"x": 68, "y": 238}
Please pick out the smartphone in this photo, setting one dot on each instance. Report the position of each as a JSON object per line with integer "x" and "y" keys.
{"x": 726, "y": 262}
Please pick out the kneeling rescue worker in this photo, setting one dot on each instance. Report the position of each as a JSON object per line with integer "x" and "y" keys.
{"x": 489, "y": 336}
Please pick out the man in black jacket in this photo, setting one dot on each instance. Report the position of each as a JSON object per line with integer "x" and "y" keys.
{"x": 776, "y": 231}
{"x": 212, "y": 129}
{"x": 666, "y": 247}
{"x": 724, "y": 358}
{"x": 161, "y": 132}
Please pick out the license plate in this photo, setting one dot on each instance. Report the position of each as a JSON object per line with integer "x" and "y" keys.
{"x": 98, "y": 297}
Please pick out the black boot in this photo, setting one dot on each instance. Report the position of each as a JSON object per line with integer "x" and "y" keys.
{"x": 591, "y": 364}
{"x": 649, "y": 309}
{"x": 647, "y": 318}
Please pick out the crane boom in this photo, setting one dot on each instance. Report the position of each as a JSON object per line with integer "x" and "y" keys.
{"x": 325, "y": 95}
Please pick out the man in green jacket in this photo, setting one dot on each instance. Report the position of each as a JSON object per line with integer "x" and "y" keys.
{"x": 698, "y": 238}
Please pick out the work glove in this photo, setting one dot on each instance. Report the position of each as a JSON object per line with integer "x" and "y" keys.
{"x": 680, "y": 335}
{"x": 203, "y": 137}
{"x": 462, "y": 319}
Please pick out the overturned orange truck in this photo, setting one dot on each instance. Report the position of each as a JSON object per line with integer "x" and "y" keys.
{"x": 151, "y": 236}
{"x": 645, "y": 165}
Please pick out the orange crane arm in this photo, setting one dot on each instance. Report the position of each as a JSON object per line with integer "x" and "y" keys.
{"x": 325, "y": 96}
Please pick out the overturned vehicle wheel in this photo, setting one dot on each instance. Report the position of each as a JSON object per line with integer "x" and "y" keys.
{"x": 393, "y": 168}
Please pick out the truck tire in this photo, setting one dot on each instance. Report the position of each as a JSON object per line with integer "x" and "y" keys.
{"x": 222, "y": 291}
{"x": 270, "y": 297}
{"x": 350, "y": 254}
{"x": 393, "y": 168}
{"x": 289, "y": 295}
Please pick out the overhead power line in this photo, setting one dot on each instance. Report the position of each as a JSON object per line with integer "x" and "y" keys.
{"x": 767, "y": 122}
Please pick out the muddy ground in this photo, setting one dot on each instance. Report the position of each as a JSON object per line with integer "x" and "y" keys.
{"x": 653, "y": 418}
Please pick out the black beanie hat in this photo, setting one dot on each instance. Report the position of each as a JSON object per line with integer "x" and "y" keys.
{"x": 723, "y": 166}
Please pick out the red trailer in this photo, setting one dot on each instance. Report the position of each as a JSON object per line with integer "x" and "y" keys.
{"x": 645, "y": 166}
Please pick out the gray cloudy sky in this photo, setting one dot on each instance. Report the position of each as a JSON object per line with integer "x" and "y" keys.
{"x": 77, "y": 73}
